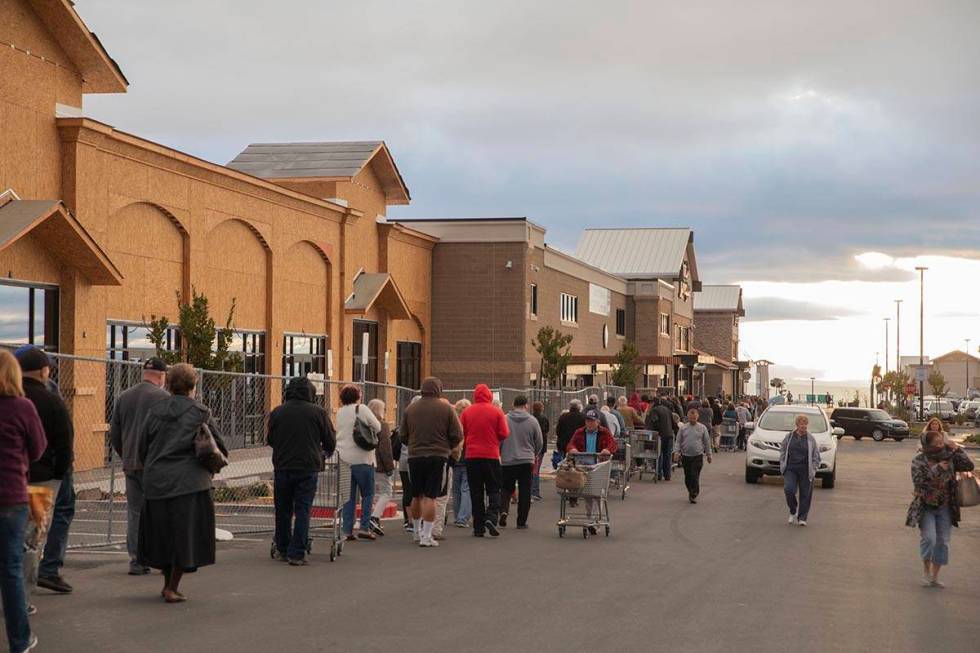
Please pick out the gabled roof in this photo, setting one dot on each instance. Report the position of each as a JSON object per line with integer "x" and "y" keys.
{"x": 100, "y": 74}
{"x": 331, "y": 160}
{"x": 955, "y": 356}
{"x": 377, "y": 288}
{"x": 63, "y": 236}
{"x": 719, "y": 298}
{"x": 653, "y": 253}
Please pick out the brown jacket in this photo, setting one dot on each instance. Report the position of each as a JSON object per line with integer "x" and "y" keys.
{"x": 429, "y": 425}
{"x": 384, "y": 462}
{"x": 632, "y": 418}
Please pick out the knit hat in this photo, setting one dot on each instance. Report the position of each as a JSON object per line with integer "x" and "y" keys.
{"x": 32, "y": 359}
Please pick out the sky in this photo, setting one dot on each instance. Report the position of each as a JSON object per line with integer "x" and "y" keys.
{"x": 817, "y": 149}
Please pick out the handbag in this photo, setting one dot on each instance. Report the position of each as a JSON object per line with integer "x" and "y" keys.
{"x": 206, "y": 450}
{"x": 364, "y": 436}
{"x": 967, "y": 490}
{"x": 570, "y": 477}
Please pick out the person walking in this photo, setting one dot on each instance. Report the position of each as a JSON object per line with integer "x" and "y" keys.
{"x": 630, "y": 415}
{"x": 611, "y": 422}
{"x": 660, "y": 419}
{"x": 611, "y": 403}
{"x": 484, "y": 428}
{"x": 432, "y": 431}
{"x": 384, "y": 470}
{"x": 360, "y": 460}
{"x": 47, "y": 473}
{"x": 128, "y": 416}
{"x": 934, "y": 508}
{"x": 743, "y": 416}
{"x": 442, "y": 501}
{"x": 691, "y": 446}
{"x": 537, "y": 410}
{"x": 592, "y": 438}
{"x": 594, "y": 404}
{"x": 517, "y": 454}
{"x": 462, "y": 503}
{"x": 568, "y": 423}
{"x": 22, "y": 442}
{"x": 301, "y": 436}
{"x": 799, "y": 459}
{"x": 177, "y": 522}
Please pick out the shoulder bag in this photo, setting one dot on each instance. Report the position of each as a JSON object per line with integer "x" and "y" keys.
{"x": 967, "y": 490}
{"x": 364, "y": 436}
{"x": 206, "y": 450}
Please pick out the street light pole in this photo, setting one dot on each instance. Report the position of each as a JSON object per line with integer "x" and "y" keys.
{"x": 922, "y": 341}
{"x": 813, "y": 394}
{"x": 966, "y": 391}
{"x": 898, "y": 335}
{"x": 887, "y": 319}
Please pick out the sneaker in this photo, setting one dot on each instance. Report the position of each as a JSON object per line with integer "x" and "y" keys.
{"x": 937, "y": 583}
{"x": 376, "y": 527}
{"x": 791, "y": 520}
{"x": 54, "y": 583}
{"x": 31, "y": 609}
{"x": 297, "y": 562}
{"x": 536, "y": 497}
{"x": 281, "y": 557}
{"x": 428, "y": 543}
{"x": 350, "y": 538}
{"x": 522, "y": 527}
{"x": 438, "y": 538}
{"x": 407, "y": 527}
{"x": 416, "y": 537}
{"x": 31, "y": 645}
{"x": 461, "y": 524}
{"x": 692, "y": 499}
{"x": 492, "y": 528}
{"x": 481, "y": 534}
{"x": 366, "y": 535}
{"x": 926, "y": 580}
{"x": 138, "y": 571}
{"x": 802, "y": 522}
{"x": 502, "y": 522}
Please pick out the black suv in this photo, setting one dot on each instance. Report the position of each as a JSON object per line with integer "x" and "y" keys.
{"x": 874, "y": 422}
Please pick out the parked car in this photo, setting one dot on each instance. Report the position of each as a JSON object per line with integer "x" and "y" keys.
{"x": 762, "y": 452}
{"x": 941, "y": 407}
{"x": 873, "y": 422}
{"x": 969, "y": 409}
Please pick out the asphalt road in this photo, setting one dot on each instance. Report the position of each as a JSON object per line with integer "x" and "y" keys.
{"x": 727, "y": 574}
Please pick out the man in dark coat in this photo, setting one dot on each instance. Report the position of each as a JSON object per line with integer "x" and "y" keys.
{"x": 301, "y": 436}
{"x": 661, "y": 420}
{"x": 568, "y": 423}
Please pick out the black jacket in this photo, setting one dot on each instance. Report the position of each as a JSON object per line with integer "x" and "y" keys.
{"x": 568, "y": 423}
{"x": 545, "y": 425}
{"x": 661, "y": 419}
{"x": 56, "y": 420}
{"x": 166, "y": 448}
{"x": 300, "y": 432}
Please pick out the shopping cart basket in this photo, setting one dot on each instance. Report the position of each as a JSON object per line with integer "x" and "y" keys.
{"x": 587, "y": 507}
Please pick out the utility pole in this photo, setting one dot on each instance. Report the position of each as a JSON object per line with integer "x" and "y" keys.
{"x": 898, "y": 335}
{"x": 922, "y": 341}
{"x": 813, "y": 392}
{"x": 966, "y": 391}
{"x": 886, "y": 352}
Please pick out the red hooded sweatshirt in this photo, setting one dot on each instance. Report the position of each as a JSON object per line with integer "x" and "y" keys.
{"x": 484, "y": 426}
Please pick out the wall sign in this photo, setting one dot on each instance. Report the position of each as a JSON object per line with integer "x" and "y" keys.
{"x": 600, "y": 299}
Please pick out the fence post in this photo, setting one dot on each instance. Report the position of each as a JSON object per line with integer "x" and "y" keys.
{"x": 112, "y": 497}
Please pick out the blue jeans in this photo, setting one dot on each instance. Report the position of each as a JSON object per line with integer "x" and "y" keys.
{"x": 294, "y": 493}
{"x": 361, "y": 479}
{"x": 665, "y": 461}
{"x": 462, "y": 503}
{"x": 57, "y": 544}
{"x": 13, "y": 520}
{"x": 797, "y": 479}
{"x": 934, "y": 529}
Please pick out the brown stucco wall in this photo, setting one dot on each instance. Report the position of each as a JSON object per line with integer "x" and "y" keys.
{"x": 716, "y": 334}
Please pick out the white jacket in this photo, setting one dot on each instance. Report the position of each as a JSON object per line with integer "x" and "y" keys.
{"x": 347, "y": 449}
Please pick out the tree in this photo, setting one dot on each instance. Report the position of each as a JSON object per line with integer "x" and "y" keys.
{"x": 202, "y": 343}
{"x": 894, "y": 383}
{"x": 777, "y": 383}
{"x": 555, "y": 350}
{"x": 938, "y": 383}
{"x": 627, "y": 366}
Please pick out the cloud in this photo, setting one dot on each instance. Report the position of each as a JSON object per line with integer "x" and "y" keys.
{"x": 764, "y": 309}
{"x": 788, "y": 372}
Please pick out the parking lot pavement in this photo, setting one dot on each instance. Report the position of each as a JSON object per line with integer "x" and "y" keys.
{"x": 727, "y": 574}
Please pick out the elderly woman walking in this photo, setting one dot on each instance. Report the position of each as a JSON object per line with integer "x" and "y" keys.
{"x": 799, "y": 458}
{"x": 360, "y": 460}
{"x": 934, "y": 507}
{"x": 177, "y": 522}
{"x": 384, "y": 471}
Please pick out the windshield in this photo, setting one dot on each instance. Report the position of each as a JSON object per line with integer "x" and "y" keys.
{"x": 879, "y": 415}
{"x": 784, "y": 420}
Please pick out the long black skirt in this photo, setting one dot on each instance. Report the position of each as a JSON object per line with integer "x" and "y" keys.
{"x": 178, "y": 532}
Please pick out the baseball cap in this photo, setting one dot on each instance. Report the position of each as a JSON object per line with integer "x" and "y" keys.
{"x": 32, "y": 359}
{"x": 154, "y": 364}
{"x": 592, "y": 413}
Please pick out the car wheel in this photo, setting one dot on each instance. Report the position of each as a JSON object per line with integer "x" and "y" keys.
{"x": 858, "y": 437}
{"x": 827, "y": 482}
{"x": 877, "y": 435}
{"x": 898, "y": 439}
{"x": 752, "y": 475}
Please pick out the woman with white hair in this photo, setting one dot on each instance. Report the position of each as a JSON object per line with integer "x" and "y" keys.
{"x": 799, "y": 458}
{"x": 384, "y": 477}
{"x": 462, "y": 503}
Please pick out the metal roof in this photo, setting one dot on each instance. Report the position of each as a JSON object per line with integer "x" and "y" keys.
{"x": 718, "y": 298}
{"x": 653, "y": 253}
{"x": 287, "y": 160}
{"x": 377, "y": 288}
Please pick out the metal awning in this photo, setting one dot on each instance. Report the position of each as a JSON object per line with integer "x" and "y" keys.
{"x": 62, "y": 236}
{"x": 377, "y": 289}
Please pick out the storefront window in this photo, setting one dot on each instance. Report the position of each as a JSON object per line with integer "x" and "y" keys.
{"x": 29, "y": 315}
{"x": 303, "y": 354}
{"x": 128, "y": 341}
{"x": 409, "y": 365}
{"x": 370, "y": 372}
{"x": 250, "y": 346}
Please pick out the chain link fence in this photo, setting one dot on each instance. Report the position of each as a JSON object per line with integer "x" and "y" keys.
{"x": 240, "y": 405}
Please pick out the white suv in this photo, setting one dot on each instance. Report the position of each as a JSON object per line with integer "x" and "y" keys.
{"x": 762, "y": 452}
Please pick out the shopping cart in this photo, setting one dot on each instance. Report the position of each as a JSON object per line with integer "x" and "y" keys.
{"x": 729, "y": 434}
{"x": 645, "y": 451}
{"x": 587, "y": 507}
{"x": 622, "y": 465}
{"x": 332, "y": 490}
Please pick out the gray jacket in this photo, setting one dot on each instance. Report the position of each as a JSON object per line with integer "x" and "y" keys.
{"x": 813, "y": 454}
{"x": 525, "y": 439}
{"x": 128, "y": 416}
{"x": 692, "y": 440}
